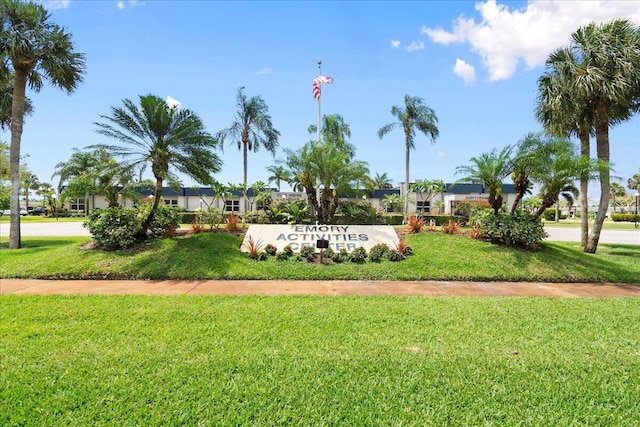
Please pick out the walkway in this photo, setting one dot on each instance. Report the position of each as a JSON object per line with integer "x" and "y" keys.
{"x": 328, "y": 288}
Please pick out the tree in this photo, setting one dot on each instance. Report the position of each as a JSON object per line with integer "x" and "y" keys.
{"x": 34, "y": 49}
{"x": 278, "y": 174}
{"x": 381, "y": 181}
{"x": 489, "y": 169}
{"x": 335, "y": 130}
{"x": 427, "y": 189}
{"x": 165, "y": 137}
{"x": 6, "y": 97}
{"x": 324, "y": 170}
{"x": 617, "y": 191}
{"x": 251, "y": 129}
{"x": 414, "y": 115}
{"x": 601, "y": 77}
{"x": 77, "y": 175}
{"x": 28, "y": 181}
{"x": 633, "y": 183}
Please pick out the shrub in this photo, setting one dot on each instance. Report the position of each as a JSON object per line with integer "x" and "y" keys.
{"x": 196, "y": 227}
{"x": 359, "y": 255}
{"x": 189, "y": 217}
{"x": 394, "y": 255}
{"x": 308, "y": 253}
{"x": 340, "y": 256}
{"x": 618, "y": 217}
{"x": 213, "y": 217}
{"x": 165, "y": 221}
{"x": 414, "y": 224}
{"x": 452, "y": 227}
{"x": 256, "y": 217}
{"x": 404, "y": 248}
{"x": 231, "y": 222}
{"x": 378, "y": 252}
{"x": 393, "y": 219}
{"x": 286, "y": 253}
{"x": 270, "y": 249}
{"x": 114, "y": 228}
{"x": 519, "y": 230}
{"x": 254, "y": 249}
{"x": 549, "y": 214}
{"x": 439, "y": 220}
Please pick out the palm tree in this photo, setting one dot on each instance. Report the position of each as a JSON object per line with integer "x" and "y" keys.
{"x": 251, "y": 128}
{"x": 6, "y": 98}
{"x": 603, "y": 78}
{"x": 617, "y": 191}
{"x": 78, "y": 174}
{"x": 28, "y": 181}
{"x": 162, "y": 136}
{"x": 335, "y": 131}
{"x": 325, "y": 171}
{"x": 382, "y": 182}
{"x": 633, "y": 183}
{"x": 278, "y": 174}
{"x": 414, "y": 115}
{"x": 490, "y": 169}
{"x": 36, "y": 50}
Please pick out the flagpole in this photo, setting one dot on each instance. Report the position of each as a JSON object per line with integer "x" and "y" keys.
{"x": 318, "y": 129}
{"x": 319, "y": 116}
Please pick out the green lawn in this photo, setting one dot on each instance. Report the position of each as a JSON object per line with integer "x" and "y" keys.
{"x": 352, "y": 361}
{"x": 217, "y": 256}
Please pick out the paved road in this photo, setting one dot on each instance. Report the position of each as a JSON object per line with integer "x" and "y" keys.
{"x": 558, "y": 234}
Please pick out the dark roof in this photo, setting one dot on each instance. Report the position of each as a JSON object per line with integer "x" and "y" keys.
{"x": 460, "y": 188}
{"x": 380, "y": 193}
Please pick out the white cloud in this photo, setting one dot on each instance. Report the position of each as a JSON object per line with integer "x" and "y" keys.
{"x": 504, "y": 37}
{"x": 264, "y": 71}
{"x": 395, "y": 43}
{"x": 122, "y": 4}
{"x": 171, "y": 102}
{"x": 54, "y": 4}
{"x": 415, "y": 46}
{"x": 465, "y": 71}
{"x": 441, "y": 155}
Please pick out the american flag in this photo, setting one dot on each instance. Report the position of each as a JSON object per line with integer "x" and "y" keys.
{"x": 316, "y": 85}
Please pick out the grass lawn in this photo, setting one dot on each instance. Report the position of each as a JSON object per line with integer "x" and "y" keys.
{"x": 217, "y": 256}
{"x": 353, "y": 361}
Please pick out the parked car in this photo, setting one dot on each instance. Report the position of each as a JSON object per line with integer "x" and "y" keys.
{"x": 37, "y": 211}
{"x": 24, "y": 212}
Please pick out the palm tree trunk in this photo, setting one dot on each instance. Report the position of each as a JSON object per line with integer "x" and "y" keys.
{"x": 406, "y": 177}
{"x": 17, "y": 113}
{"x": 584, "y": 189}
{"x": 602, "y": 141}
{"x": 156, "y": 200}
{"x": 245, "y": 145}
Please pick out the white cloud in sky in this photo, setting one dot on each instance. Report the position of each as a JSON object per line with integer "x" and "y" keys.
{"x": 441, "y": 155}
{"x": 264, "y": 71}
{"x": 503, "y": 37}
{"x": 465, "y": 71}
{"x": 122, "y": 4}
{"x": 415, "y": 45}
{"x": 54, "y": 4}
{"x": 395, "y": 43}
{"x": 173, "y": 102}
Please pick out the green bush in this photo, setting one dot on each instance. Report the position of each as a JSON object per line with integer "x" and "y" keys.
{"x": 519, "y": 230}
{"x": 627, "y": 217}
{"x": 114, "y": 228}
{"x": 378, "y": 252}
{"x": 256, "y": 217}
{"x": 443, "y": 219}
{"x": 359, "y": 255}
{"x": 189, "y": 217}
{"x": 394, "y": 255}
{"x": 165, "y": 221}
{"x": 550, "y": 214}
{"x": 341, "y": 256}
{"x": 394, "y": 219}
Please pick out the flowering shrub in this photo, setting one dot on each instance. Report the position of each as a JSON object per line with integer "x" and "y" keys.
{"x": 113, "y": 228}
{"x": 359, "y": 255}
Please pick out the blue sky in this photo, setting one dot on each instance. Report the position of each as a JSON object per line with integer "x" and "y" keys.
{"x": 475, "y": 63}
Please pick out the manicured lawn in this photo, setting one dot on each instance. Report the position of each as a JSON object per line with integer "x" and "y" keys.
{"x": 353, "y": 361}
{"x": 217, "y": 256}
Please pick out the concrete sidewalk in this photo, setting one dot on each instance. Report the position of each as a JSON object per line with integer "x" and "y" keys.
{"x": 327, "y": 288}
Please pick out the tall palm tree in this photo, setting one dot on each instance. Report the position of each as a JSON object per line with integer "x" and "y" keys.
{"x": 35, "y": 49}
{"x": 6, "y": 97}
{"x": 381, "y": 181}
{"x": 251, "y": 129}
{"x": 617, "y": 191}
{"x": 278, "y": 174}
{"x": 335, "y": 131}
{"x": 414, "y": 115}
{"x": 489, "y": 169}
{"x": 603, "y": 77}
{"x": 162, "y": 136}
{"x": 28, "y": 181}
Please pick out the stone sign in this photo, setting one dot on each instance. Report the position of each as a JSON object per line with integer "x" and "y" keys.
{"x": 348, "y": 237}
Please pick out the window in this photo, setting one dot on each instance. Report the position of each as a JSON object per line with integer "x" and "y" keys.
{"x": 76, "y": 205}
{"x": 232, "y": 206}
{"x": 424, "y": 207}
{"x": 171, "y": 202}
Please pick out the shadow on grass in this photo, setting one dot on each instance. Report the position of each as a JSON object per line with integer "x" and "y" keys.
{"x": 205, "y": 255}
